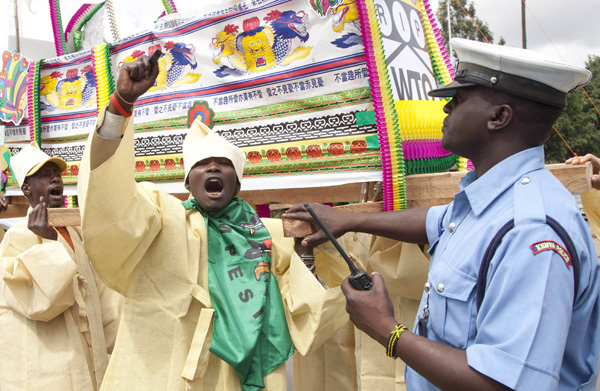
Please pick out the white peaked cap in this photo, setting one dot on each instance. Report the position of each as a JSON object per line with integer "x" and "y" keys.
{"x": 29, "y": 160}
{"x": 515, "y": 71}
{"x": 202, "y": 142}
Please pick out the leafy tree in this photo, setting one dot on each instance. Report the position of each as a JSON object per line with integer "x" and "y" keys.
{"x": 579, "y": 124}
{"x": 460, "y": 24}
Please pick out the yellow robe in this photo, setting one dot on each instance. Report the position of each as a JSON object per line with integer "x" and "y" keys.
{"x": 57, "y": 320}
{"x": 351, "y": 360}
{"x": 145, "y": 245}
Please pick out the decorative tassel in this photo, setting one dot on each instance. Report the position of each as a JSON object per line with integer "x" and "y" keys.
{"x": 57, "y": 29}
{"x": 390, "y": 142}
{"x": 33, "y": 102}
{"x": 112, "y": 20}
{"x": 169, "y": 6}
{"x": 102, "y": 69}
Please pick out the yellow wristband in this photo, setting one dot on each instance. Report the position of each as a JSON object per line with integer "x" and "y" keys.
{"x": 393, "y": 340}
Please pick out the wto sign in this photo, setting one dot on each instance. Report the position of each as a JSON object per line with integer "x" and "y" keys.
{"x": 407, "y": 57}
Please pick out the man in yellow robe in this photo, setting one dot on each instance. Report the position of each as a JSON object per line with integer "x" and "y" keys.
{"x": 154, "y": 249}
{"x": 58, "y": 321}
{"x": 351, "y": 360}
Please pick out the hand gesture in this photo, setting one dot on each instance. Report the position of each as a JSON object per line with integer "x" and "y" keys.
{"x": 38, "y": 221}
{"x": 333, "y": 219}
{"x": 595, "y": 167}
{"x": 371, "y": 311}
{"x": 135, "y": 78}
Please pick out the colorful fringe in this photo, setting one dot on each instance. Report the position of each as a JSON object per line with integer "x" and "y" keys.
{"x": 79, "y": 19}
{"x": 101, "y": 65}
{"x": 70, "y": 201}
{"x": 421, "y": 123}
{"x": 112, "y": 20}
{"x": 440, "y": 60}
{"x": 169, "y": 6}
{"x": 33, "y": 102}
{"x": 390, "y": 141}
{"x": 57, "y": 29}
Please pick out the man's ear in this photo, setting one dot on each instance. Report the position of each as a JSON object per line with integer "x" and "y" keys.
{"x": 501, "y": 116}
{"x": 26, "y": 189}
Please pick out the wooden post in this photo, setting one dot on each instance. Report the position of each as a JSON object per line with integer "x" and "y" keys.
{"x": 422, "y": 190}
{"x": 427, "y": 190}
{"x": 17, "y": 27}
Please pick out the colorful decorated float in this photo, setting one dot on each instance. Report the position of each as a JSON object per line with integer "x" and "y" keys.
{"x": 322, "y": 95}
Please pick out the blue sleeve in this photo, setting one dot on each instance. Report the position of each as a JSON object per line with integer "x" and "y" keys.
{"x": 434, "y": 224}
{"x": 524, "y": 319}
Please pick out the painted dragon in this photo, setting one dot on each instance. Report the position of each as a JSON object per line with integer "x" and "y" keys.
{"x": 341, "y": 13}
{"x": 172, "y": 65}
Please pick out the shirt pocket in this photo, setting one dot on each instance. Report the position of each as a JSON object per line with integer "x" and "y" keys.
{"x": 452, "y": 304}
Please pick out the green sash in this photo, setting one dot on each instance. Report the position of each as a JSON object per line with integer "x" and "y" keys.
{"x": 250, "y": 332}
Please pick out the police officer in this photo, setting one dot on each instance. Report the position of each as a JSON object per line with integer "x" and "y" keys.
{"x": 528, "y": 318}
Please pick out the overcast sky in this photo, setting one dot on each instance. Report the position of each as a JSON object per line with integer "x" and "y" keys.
{"x": 571, "y": 26}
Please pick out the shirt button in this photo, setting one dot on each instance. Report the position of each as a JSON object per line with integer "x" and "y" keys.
{"x": 427, "y": 286}
{"x": 451, "y": 227}
{"x": 440, "y": 287}
{"x": 525, "y": 180}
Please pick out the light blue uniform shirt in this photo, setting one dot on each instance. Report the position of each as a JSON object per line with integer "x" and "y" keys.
{"x": 527, "y": 334}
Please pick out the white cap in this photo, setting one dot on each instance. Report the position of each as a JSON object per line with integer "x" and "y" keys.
{"x": 29, "y": 160}
{"x": 515, "y": 71}
{"x": 201, "y": 143}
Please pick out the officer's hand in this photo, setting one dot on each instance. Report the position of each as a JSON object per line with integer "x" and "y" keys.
{"x": 333, "y": 219}
{"x": 595, "y": 167}
{"x": 135, "y": 78}
{"x": 371, "y": 311}
{"x": 38, "y": 221}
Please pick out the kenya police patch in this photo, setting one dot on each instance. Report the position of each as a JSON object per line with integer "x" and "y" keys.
{"x": 552, "y": 245}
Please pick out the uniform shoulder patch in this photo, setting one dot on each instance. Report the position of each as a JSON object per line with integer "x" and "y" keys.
{"x": 546, "y": 245}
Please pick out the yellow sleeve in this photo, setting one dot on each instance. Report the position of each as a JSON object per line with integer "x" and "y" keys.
{"x": 119, "y": 218}
{"x": 38, "y": 279}
{"x": 313, "y": 313}
{"x": 111, "y": 305}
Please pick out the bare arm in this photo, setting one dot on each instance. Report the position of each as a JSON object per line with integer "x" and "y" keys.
{"x": 446, "y": 367}
{"x": 405, "y": 225}
{"x": 595, "y": 167}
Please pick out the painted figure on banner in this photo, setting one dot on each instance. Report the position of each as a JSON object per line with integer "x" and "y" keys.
{"x": 69, "y": 93}
{"x": 260, "y": 48}
{"x": 173, "y": 65}
{"x": 342, "y": 13}
{"x": 13, "y": 85}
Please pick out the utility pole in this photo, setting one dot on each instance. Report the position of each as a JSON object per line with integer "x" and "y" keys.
{"x": 523, "y": 27}
{"x": 17, "y": 28}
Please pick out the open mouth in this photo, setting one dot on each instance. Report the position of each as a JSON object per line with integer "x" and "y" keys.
{"x": 56, "y": 192}
{"x": 214, "y": 187}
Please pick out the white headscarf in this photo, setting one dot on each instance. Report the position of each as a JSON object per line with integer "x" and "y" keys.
{"x": 201, "y": 143}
